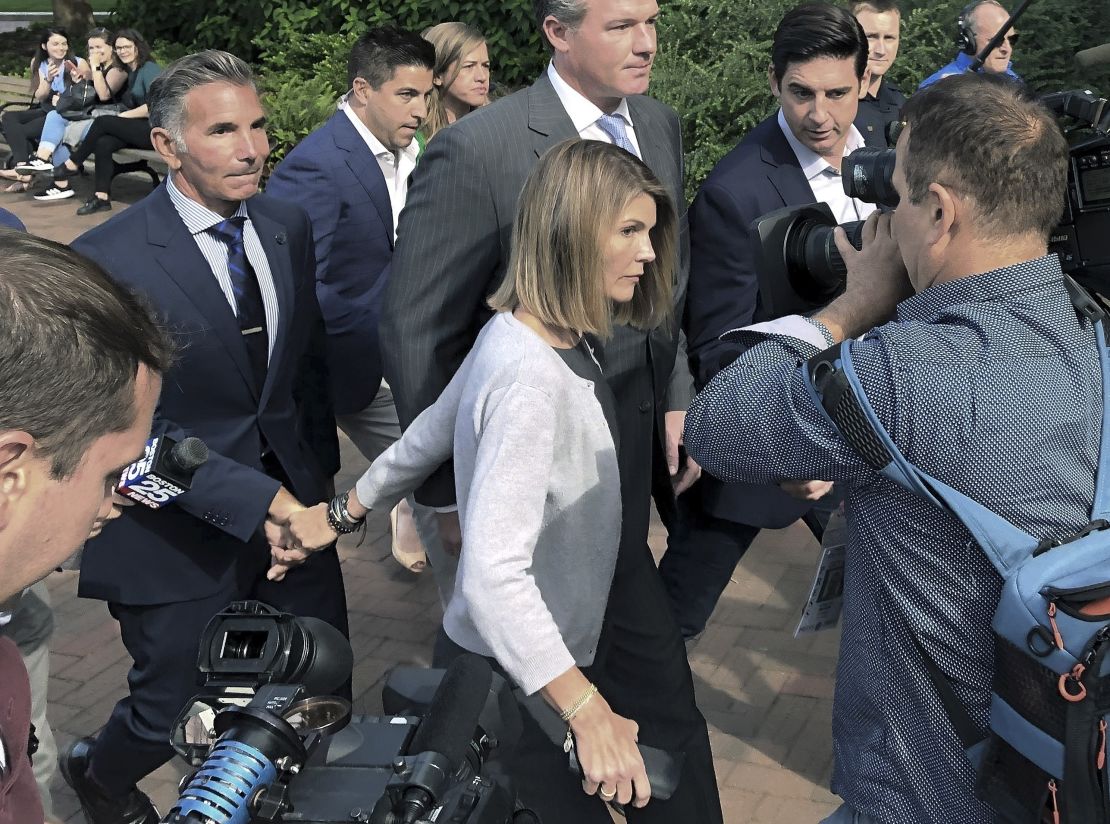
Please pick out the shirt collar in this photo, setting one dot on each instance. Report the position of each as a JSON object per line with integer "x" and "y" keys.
{"x": 581, "y": 111}
{"x": 377, "y": 148}
{"x": 930, "y": 303}
{"x": 197, "y": 218}
{"x": 812, "y": 163}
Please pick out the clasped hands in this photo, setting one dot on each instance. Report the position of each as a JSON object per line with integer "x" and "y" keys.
{"x": 294, "y": 531}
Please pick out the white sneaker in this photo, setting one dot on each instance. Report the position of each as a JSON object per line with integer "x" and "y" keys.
{"x": 34, "y": 166}
{"x": 54, "y": 193}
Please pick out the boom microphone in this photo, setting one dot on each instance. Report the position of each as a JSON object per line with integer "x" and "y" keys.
{"x": 1090, "y": 58}
{"x": 165, "y": 471}
{"x": 446, "y": 733}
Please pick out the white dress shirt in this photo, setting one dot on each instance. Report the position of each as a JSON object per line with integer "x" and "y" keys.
{"x": 198, "y": 220}
{"x": 584, "y": 114}
{"x": 824, "y": 179}
{"x": 396, "y": 166}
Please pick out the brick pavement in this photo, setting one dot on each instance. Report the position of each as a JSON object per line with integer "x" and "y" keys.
{"x": 767, "y": 697}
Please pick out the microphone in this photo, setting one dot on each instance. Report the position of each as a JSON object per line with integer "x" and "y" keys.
{"x": 444, "y": 736}
{"x": 1090, "y": 58}
{"x": 165, "y": 471}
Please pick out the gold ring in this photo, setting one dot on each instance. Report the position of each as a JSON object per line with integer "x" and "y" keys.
{"x": 607, "y": 796}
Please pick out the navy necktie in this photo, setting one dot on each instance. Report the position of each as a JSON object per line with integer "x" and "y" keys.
{"x": 613, "y": 125}
{"x": 248, "y": 296}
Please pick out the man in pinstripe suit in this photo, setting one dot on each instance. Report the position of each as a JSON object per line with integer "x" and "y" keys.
{"x": 452, "y": 250}
{"x": 231, "y": 275}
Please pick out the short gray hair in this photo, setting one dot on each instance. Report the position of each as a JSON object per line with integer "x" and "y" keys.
{"x": 568, "y": 12}
{"x": 166, "y": 99}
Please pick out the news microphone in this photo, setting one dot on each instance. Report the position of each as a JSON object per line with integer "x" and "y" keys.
{"x": 165, "y": 471}
{"x": 445, "y": 735}
{"x": 1090, "y": 58}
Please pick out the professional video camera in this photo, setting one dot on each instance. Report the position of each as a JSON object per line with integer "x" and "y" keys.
{"x": 272, "y": 746}
{"x": 800, "y": 268}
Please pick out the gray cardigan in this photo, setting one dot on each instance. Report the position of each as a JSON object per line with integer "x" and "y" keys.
{"x": 539, "y": 501}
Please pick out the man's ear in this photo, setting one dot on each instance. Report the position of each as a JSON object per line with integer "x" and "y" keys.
{"x": 773, "y": 81}
{"x": 944, "y": 212}
{"x": 556, "y": 33}
{"x": 167, "y": 147}
{"x": 16, "y": 448}
{"x": 865, "y": 82}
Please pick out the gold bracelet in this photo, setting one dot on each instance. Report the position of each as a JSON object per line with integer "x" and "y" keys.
{"x": 573, "y": 710}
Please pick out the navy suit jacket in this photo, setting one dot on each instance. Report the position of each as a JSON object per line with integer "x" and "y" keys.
{"x": 336, "y": 179}
{"x": 758, "y": 176}
{"x": 189, "y": 549}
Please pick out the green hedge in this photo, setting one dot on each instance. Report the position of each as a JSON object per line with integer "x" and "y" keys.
{"x": 712, "y": 64}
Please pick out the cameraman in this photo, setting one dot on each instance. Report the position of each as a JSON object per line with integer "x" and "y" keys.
{"x": 986, "y": 377}
{"x": 80, "y": 359}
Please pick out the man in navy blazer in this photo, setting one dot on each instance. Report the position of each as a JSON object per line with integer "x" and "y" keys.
{"x": 232, "y": 277}
{"x": 818, "y": 66}
{"x": 351, "y": 176}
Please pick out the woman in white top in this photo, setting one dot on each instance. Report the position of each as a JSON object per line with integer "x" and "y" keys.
{"x": 528, "y": 420}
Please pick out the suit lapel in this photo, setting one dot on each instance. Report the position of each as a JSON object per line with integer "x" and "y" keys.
{"x": 183, "y": 262}
{"x": 786, "y": 175}
{"x": 364, "y": 167}
{"x": 654, "y": 151}
{"x": 275, "y": 243}
{"x": 547, "y": 119}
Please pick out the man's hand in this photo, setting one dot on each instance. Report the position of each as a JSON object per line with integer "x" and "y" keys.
{"x": 877, "y": 281}
{"x": 807, "y": 490}
{"x": 683, "y": 475}
{"x": 450, "y": 532}
{"x": 282, "y": 508}
{"x": 118, "y": 503}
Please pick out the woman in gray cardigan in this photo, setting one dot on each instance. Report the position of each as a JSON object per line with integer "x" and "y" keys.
{"x": 529, "y": 421}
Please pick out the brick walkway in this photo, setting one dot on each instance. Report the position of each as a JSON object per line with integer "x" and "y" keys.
{"x": 767, "y": 697}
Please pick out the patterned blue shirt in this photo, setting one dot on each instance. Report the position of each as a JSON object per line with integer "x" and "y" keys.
{"x": 992, "y": 385}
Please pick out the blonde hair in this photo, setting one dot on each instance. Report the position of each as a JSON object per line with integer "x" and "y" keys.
{"x": 453, "y": 41}
{"x": 567, "y": 208}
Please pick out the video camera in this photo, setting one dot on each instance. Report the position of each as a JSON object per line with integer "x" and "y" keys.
{"x": 800, "y": 268}
{"x": 271, "y": 745}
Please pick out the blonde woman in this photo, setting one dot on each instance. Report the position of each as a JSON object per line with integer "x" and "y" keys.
{"x": 461, "y": 75}
{"x": 530, "y": 422}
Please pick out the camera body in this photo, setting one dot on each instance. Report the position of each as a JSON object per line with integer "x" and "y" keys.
{"x": 271, "y": 746}
{"x": 1083, "y": 237}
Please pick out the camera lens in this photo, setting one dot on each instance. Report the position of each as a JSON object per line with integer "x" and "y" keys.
{"x": 868, "y": 174}
{"x": 241, "y": 646}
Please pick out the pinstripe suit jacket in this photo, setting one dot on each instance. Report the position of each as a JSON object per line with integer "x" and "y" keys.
{"x": 452, "y": 249}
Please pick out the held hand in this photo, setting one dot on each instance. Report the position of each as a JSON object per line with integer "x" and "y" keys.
{"x": 450, "y": 532}
{"x": 118, "y": 503}
{"x": 52, "y": 70}
{"x": 684, "y": 474}
{"x": 308, "y": 529}
{"x": 283, "y": 560}
{"x": 807, "y": 490}
{"x": 876, "y": 283}
{"x": 283, "y": 505}
{"x": 613, "y": 767}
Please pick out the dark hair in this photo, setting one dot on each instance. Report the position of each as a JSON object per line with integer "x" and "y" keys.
{"x": 818, "y": 30}
{"x": 379, "y": 52}
{"x": 71, "y": 342}
{"x": 41, "y": 55}
{"x": 879, "y": 6}
{"x": 983, "y": 136}
{"x": 142, "y": 48}
{"x": 101, "y": 33}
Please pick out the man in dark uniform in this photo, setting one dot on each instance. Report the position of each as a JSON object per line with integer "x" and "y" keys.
{"x": 882, "y": 100}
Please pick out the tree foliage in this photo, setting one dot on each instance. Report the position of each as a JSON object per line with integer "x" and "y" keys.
{"x": 712, "y": 63}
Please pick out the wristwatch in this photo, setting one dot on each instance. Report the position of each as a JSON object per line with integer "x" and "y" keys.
{"x": 340, "y": 518}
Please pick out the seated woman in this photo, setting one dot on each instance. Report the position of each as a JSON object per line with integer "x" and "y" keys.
{"x": 52, "y": 70}
{"x": 59, "y": 133}
{"x": 461, "y": 75}
{"x": 530, "y": 422}
{"x": 110, "y": 133}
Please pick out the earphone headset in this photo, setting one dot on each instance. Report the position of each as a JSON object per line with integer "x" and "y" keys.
{"x": 965, "y": 34}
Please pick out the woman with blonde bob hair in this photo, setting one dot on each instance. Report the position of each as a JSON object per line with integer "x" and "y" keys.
{"x": 530, "y": 423}
{"x": 461, "y": 76}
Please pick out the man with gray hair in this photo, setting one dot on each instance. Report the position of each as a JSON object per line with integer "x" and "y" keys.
{"x": 978, "y": 23}
{"x": 453, "y": 240}
{"x": 231, "y": 273}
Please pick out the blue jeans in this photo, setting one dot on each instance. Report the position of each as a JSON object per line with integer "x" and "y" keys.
{"x": 846, "y": 815}
{"x": 53, "y": 130}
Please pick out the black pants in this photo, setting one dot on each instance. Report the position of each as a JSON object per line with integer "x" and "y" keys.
{"x": 108, "y": 134}
{"x": 703, "y": 551}
{"x": 642, "y": 671}
{"x": 163, "y": 640}
{"x": 21, "y": 130}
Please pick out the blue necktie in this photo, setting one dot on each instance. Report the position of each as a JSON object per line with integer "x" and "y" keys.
{"x": 248, "y": 296}
{"x": 613, "y": 125}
